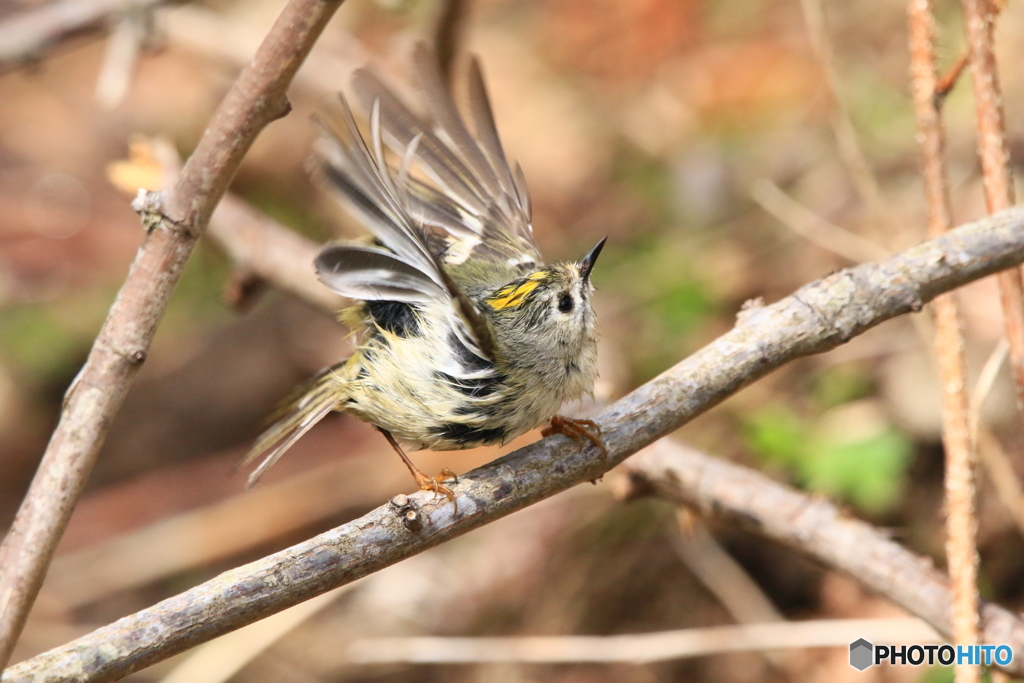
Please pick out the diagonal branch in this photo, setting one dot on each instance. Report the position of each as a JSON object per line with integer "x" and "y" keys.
{"x": 174, "y": 220}
{"x": 817, "y": 318}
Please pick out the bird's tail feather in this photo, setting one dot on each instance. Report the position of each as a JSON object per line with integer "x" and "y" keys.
{"x": 308, "y": 404}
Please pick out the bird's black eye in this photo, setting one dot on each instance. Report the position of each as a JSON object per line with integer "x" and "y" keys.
{"x": 565, "y": 303}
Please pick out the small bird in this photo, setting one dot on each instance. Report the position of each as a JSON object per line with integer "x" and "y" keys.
{"x": 466, "y": 338}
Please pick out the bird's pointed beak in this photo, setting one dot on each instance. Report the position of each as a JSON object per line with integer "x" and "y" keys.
{"x": 586, "y": 264}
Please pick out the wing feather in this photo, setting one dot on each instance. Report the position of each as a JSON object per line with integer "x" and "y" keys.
{"x": 411, "y": 272}
{"x": 400, "y": 123}
{"x": 484, "y": 203}
{"x": 442, "y": 108}
{"x": 365, "y": 180}
{"x": 374, "y": 274}
{"x": 486, "y": 130}
{"x": 523, "y": 193}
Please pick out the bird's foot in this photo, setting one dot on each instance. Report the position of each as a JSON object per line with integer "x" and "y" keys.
{"x": 578, "y": 431}
{"x": 426, "y": 483}
{"x": 436, "y": 484}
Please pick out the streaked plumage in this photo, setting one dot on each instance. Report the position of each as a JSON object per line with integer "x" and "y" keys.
{"x": 467, "y": 337}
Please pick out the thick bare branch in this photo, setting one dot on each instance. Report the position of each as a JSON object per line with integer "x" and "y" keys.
{"x": 174, "y": 221}
{"x": 817, "y": 318}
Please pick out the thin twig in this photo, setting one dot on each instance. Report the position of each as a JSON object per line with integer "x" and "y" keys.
{"x": 813, "y": 227}
{"x": 995, "y": 160}
{"x": 961, "y": 522}
{"x": 946, "y": 83}
{"x": 215, "y": 36}
{"x": 1002, "y": 475}
{"x": 174, "y": 221}
{"x": 997, "y": 462}
{"x": 815, "y": 527}
{"x": 122, "y": 53}
{"x": 986, "y": 380}
{"x": 255, "y": 242}
{"x": 846, "y": 137}
{"x": 815, "y": 319}
{"x": 27, "y": 36}
{"x": 723, "y": 576}
{"x": 999, "y": 193}
{"x": 641, "y": 648}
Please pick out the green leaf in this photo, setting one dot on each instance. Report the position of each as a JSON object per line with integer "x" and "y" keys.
{"x": 778, "y": 435}
{"x": 867, "y": 472}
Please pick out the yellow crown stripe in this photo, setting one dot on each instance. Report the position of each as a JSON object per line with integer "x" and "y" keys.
{"x": 514, "y": 295}
{"x": 510, "y": 297}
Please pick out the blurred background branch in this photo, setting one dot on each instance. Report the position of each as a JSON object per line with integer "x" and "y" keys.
{"x": 640, "y": 648}
{"x": 980, "y": 16}
{"x": 721, "y": 490}
{"x": 27, "y": 36}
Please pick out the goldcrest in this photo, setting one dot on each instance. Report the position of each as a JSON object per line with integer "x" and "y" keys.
{"x": 466, "y": 337}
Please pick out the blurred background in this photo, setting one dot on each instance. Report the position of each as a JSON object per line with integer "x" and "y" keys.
{"x": 730, "y": 150}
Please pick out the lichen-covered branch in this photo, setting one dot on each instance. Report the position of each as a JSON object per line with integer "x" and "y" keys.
{"x": 816, "y": 318}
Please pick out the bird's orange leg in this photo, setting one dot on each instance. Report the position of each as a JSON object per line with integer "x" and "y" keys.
{"x": 423, "y": 481}
{"x": 578, "y": 431}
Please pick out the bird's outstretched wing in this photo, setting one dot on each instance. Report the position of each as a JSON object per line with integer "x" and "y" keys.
{"x": 403, "y": 268}
{"x": 471, "y": 193}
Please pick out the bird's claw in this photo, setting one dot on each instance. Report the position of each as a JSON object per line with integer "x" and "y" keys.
{"x": 436, "y": 484}
{"x": 578, "y": 431}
